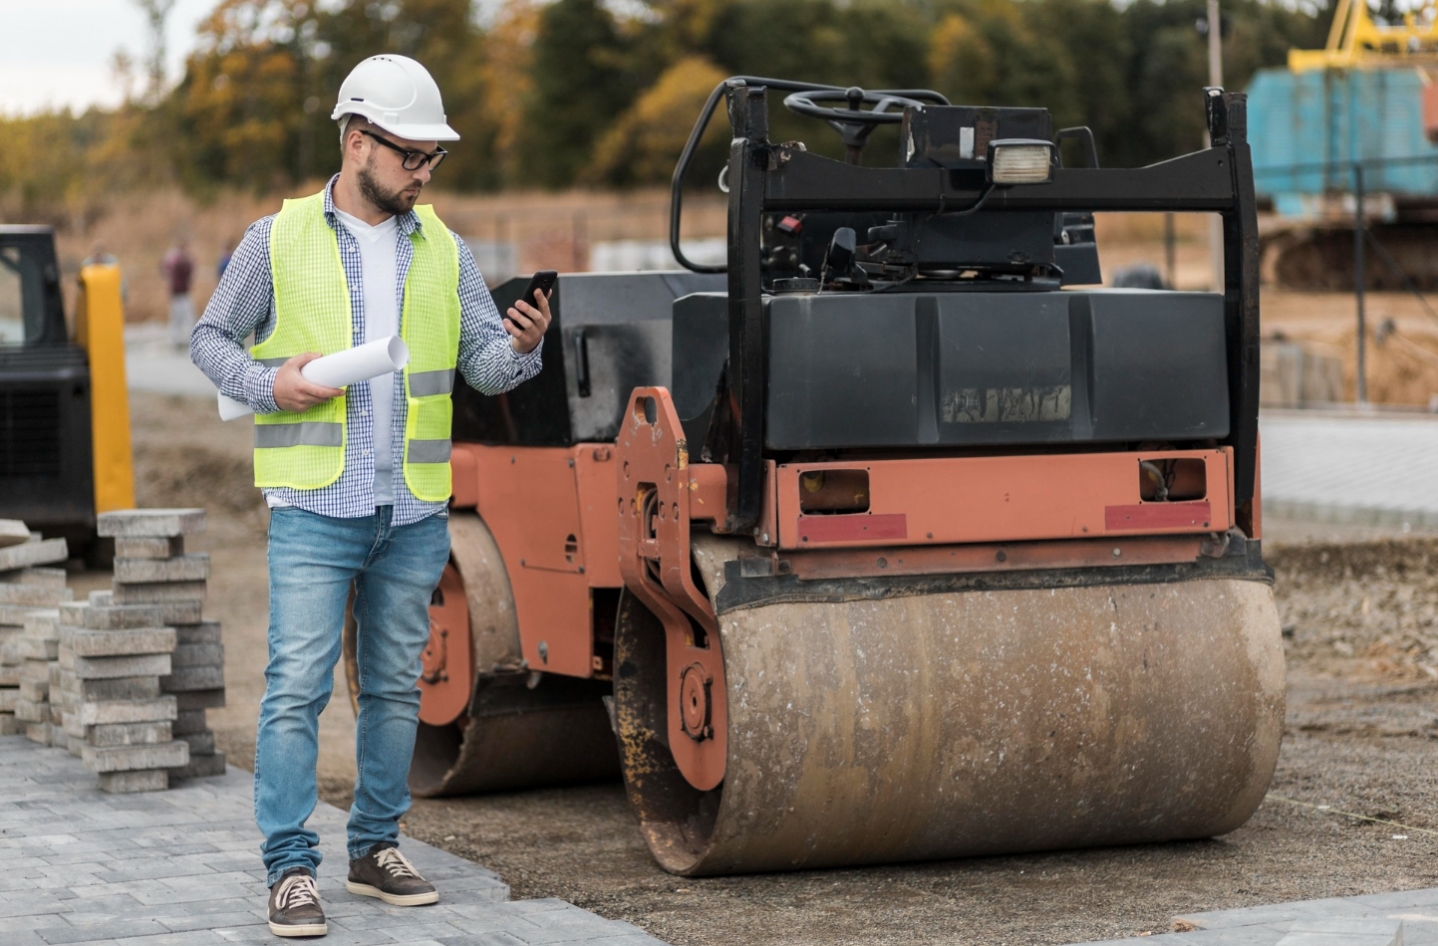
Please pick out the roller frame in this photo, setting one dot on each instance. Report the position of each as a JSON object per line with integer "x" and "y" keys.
{"x": 654, "y": 559}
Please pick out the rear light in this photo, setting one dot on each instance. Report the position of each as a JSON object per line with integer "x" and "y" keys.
{"x": 1020, "y": 161}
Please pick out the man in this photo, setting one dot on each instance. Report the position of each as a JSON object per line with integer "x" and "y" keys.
{"x": 179, "y": 268}
{"x": 357, "y": 480}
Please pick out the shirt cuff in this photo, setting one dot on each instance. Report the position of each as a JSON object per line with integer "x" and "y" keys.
{"x": 528, "y": 364}
{"x": 260, "y": 390}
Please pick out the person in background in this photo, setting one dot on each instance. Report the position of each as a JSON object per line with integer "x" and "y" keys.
{"x": 226, "y": 251}
{"x": 179, "y": 269}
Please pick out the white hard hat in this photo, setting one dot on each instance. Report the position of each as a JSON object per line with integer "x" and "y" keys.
{"x": 397, "y": 94}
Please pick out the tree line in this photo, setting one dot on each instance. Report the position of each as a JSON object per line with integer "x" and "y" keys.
{"x": 593, "y": 93}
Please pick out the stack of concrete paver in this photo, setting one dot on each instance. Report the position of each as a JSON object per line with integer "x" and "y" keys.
{"x": 114, "y": 717}
{"x": 28, "y": 646}
{"x": 153, "y": 569}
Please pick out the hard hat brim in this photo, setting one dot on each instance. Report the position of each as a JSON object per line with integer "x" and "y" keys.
{"x": 440, "y": 132}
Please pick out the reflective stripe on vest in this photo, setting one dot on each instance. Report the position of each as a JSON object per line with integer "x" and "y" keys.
{"x": 429, "y": 324}
{"x": 312, "y": 313}
{"x": 309, "y": 433}
{"x": 427, "y": 383}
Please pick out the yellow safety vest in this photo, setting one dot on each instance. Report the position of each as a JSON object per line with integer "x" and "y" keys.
{"x": 306, "y": 450}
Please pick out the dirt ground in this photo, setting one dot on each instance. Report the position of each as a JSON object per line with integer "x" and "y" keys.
{"x": 1360, "y": 617}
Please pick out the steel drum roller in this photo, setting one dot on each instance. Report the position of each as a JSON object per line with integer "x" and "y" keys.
{"x": 968, "y": 723}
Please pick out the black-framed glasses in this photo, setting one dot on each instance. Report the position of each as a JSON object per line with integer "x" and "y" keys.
{"x": 412, "y": 160}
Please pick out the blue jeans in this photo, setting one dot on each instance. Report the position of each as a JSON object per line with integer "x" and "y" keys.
{"x": 313, "y": 560}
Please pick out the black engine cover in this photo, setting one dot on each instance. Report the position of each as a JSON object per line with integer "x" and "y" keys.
{"x": 983, "y": 369}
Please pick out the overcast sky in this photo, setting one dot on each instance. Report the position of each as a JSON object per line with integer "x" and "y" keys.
{"x": 58, "y": 52}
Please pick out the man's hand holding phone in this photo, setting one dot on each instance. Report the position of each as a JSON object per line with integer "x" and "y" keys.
{"x": 528, "y": 319}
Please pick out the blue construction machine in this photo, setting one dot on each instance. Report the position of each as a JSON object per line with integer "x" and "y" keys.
{"x": 1357, "y": 120}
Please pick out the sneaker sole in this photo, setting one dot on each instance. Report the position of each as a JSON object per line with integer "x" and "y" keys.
{"x": 300, "y": 929}
{"x": 393, "y": 899}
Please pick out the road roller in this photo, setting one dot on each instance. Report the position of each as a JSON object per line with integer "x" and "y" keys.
{"x": 895, "y": 537}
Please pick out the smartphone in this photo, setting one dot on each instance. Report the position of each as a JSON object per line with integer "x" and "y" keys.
{"x": 545, "y": 280}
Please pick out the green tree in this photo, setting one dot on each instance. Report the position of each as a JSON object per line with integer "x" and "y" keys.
{"x": 581, "y": 78}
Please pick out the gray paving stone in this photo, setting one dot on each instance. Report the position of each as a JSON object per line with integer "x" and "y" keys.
{"x": 42, "y": 552}
{"x": 128, "y": 734}
{"x": 34, "y": 595}
{"x": 206, "y": 632}
{"x": 41, "y": 622}
{"x": 201, "y": 699}
{"x": 190, "y": 722}
{"x": 158, "y": 592}
{"x": 181, "y": 568}
{"x": 187, "y": 859}
{"x": 198, "y": 655}
{"x": 110, "y": 712}
{"x": 150, "y": 523}
{"x": 100, "y": 668}
{"x": 1345, "y": 931}
{"x": 113, "y": 688}
{"x": 201, "y": 743}
{"x": 118, "y": 643}
{"x": 190, "y": 679}
{"x": 32, "y": 711}
{"x": 135, "y": 758}
{"x": 31, "y": 648}
{"x": 50, "y": 577}
{"x": 101, "y": 613}
{"x": 149, "y": 547}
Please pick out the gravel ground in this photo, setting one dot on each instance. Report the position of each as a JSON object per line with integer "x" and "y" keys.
{"x": 1359, "y": 607}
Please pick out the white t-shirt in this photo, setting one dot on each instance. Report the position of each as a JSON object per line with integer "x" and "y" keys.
{"x": 379, "y": 267}
{"x": 379, "y": 264}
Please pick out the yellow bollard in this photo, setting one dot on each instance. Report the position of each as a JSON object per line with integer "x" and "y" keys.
{"x": 100, "y": 327}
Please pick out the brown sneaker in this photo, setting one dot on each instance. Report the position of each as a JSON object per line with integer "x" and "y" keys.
{"x": 386, "y": 873}
{"x": 295, "y": 906}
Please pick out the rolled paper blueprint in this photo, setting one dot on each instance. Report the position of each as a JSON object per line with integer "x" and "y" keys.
{"x": 341, "y": 369}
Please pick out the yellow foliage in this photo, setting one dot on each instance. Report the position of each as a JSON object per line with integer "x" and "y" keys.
{"x": 960, "y": 61}
{"x": 644, "y": 143}
{"x": 505, "y": 72}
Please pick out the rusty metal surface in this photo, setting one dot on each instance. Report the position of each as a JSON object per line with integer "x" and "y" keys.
{"x": 654, "y": 497}
{"x": 1025, "y": 497}
{"x": 524, "y": 748}
{"x": 967, "y": 723}
{"x": 522, "y": 738}
{"x": 446, "y": 675}
{"x": 818, "y": 564}
{"x": 493, "y": 625}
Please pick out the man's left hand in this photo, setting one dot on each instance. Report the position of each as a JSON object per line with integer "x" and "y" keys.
{"x": 526, "y": 324}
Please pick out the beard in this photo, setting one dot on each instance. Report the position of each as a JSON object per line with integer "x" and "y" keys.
{"x": 391, "y": 202}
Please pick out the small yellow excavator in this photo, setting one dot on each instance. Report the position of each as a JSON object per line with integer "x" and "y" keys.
{"x": 64, "y": 410}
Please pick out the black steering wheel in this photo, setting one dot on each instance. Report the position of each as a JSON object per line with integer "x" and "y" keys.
{"x": 852, "y": 122}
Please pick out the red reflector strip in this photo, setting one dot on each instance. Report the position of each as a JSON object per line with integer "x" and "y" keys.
{"x": 791, "y": 224}
{"x": 1157, "y": 516}
{"x": 853, "y": 528}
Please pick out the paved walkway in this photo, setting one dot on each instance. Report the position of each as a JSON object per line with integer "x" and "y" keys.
{"x": 153, "y": 363}
{"x": 1405, "y": 918}
{"x": 182, "y": 868}
{"x": 1368, "y": 470}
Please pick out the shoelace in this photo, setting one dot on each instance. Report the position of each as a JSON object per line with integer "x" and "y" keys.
{"x": 297, "y": 891}
{"x": 391, "y": 860}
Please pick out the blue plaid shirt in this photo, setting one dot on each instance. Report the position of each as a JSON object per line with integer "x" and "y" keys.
{"x": 244, "y": 303}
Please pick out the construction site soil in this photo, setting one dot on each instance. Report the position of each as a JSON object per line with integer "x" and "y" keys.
{"x": 1353, "y": 808}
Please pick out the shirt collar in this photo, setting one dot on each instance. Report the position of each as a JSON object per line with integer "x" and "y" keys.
{"x": 409, "y": 222}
